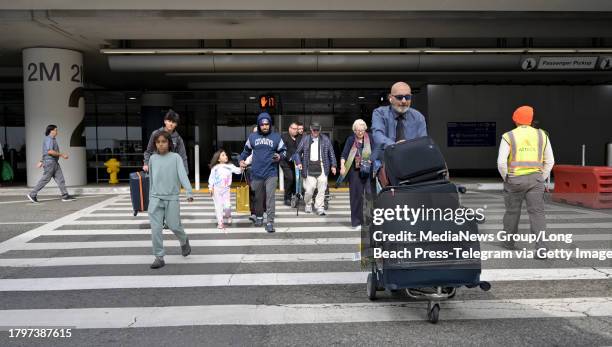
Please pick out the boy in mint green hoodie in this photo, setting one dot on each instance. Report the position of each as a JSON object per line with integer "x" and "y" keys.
{"x": 166, "y": 175}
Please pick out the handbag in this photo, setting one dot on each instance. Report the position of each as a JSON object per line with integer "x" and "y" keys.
{"x": 7, "y": 171}
{"x": 242, "y": 197}
{"x": 365, "y": 169}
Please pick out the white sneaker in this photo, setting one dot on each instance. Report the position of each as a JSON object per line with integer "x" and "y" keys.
{"x": 357, "y": 227}
{"x": 308, "y": 208}
{"x": 321, "y": 212}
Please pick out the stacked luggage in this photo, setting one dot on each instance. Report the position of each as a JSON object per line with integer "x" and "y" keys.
{"x": 418, "y": 177}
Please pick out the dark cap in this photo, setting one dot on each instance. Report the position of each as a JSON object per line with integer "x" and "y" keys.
{"x": 315, "y": 126}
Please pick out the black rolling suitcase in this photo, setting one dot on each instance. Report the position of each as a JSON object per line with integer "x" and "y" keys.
{"x": 139, "y": 191}
{"x": 414, "y": 161}
{"x": 448, "y": 271}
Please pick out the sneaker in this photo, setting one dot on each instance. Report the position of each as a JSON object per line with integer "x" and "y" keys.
{"x": 270, "y": 228}
{"x": 159, "y": 262}
{"x": 252, "y": 218}
{"x": 68, "y": 198}
{"x": 220, "y": 226}
{"x": 321, "y": 212}
{"x": 259, "y": 222}
{"x": 308, "y": 209}
{"x": 186, "y": 248}
{"x": 228, "y": 221}
{"x": 32, "y": 198}
{"x": 357, "y": 227}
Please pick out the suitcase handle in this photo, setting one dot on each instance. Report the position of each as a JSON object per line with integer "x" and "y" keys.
{"x": 423, "y": 178}
{"x": 141, "y": 192}
{"x": 411, "y": 186}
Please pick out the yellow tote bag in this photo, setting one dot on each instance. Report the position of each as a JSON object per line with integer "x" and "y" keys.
{"x": 242, "y": 198}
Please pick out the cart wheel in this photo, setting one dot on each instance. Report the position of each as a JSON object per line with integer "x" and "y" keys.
{"x": 433, "y": 314}
{"x": 485, "y": 286}
{"x": 371, "y": 286}
{"x": 451, "y": 291}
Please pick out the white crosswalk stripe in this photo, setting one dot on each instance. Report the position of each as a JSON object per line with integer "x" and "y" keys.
{"x": 270, "y": 279}
{"x": 138, "y": 317}
{"x": 194, "y": 243}
{"x": 244, "y": 257}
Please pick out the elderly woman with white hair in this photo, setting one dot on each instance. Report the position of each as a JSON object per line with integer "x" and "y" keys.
{"x": 356, "y": 164}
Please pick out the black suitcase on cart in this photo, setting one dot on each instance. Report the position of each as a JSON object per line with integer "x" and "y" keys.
{"x": 417, "y": 172}
{"x": 139, "y": 191}
{"x": 431, "y": 271}
{"x": 413, "y": 161}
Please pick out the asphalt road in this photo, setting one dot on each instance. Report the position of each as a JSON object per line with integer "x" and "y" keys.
{"x": 84, "y": 265}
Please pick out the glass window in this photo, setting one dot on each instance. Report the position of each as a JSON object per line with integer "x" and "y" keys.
{"x": 231, "y": 127}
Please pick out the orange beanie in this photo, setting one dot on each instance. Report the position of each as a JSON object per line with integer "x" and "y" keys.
{"x": 523, "y": 115}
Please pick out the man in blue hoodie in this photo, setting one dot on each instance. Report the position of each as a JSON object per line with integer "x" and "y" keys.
{"x": 268, "y": 149}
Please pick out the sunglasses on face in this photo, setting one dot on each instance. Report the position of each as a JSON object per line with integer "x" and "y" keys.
{"x": 408, "y": 97}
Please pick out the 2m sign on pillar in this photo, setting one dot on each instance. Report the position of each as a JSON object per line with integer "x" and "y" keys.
{"x": 41, "y": 72}
{"x": 53, "y": 94}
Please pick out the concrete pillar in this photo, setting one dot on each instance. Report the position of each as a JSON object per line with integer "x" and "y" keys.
{"x": 53, "y": 94}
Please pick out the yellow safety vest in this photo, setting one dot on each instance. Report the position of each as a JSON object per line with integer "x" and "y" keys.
{"x": 526, "y": 150}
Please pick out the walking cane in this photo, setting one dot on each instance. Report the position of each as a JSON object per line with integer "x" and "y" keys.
{"x": 298, "y": 191}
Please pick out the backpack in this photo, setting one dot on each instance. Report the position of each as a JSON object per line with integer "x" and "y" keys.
{"x": 7, "y": 171}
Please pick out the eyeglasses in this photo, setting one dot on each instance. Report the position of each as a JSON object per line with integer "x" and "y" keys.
{"x": 408, "y": 97}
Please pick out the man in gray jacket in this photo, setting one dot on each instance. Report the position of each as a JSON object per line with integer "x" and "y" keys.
{"x": 315, "y": 157}
{"x": 51, "y": 156}
{"x": 171, "y": 120}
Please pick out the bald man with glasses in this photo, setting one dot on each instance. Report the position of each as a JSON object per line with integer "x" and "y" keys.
{"x": 397, "y": 122}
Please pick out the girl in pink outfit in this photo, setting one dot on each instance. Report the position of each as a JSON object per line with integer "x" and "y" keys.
{"x": 219, "y": 183}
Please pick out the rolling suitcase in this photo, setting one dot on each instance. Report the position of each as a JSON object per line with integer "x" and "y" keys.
{"x": 437, "y": 198}
{"x": 414, "y": 161}
{"x": 139, "y": 191}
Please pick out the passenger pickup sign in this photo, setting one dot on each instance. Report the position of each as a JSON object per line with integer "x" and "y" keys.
{"x": 567, "y": 63}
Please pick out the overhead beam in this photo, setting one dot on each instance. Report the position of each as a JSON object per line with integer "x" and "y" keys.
{"x": 314, "y": 5}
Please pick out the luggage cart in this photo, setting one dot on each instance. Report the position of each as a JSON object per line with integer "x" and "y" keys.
{"x": 437, "y": 284}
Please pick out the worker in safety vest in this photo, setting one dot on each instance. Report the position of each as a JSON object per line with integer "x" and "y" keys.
{"x": 525, "y": 160}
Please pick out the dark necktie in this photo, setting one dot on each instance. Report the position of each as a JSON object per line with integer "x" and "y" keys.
{"x": 399, "y": 128}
